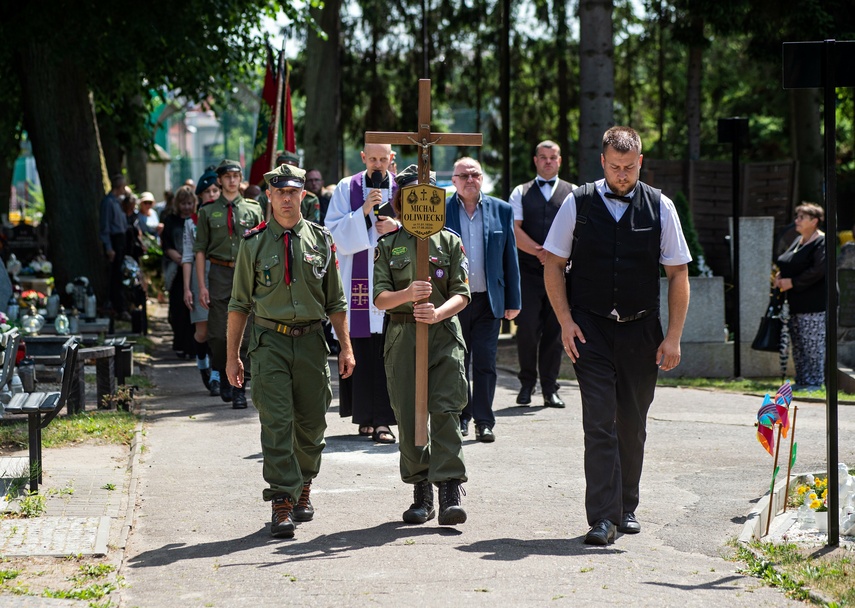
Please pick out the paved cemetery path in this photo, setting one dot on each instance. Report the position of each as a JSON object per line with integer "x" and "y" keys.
{"x": 200, "y": 537}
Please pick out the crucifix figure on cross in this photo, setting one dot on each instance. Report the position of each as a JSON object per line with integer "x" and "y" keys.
{"x": 420, "y": 222}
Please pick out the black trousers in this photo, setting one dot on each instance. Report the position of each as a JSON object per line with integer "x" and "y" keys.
{"x": 617, "y": 372}
{"x": 481, "y": 334}
{"x": 114, "y": 274}
{"x": 364, "y": 395}
{"x": 539, "y": 347}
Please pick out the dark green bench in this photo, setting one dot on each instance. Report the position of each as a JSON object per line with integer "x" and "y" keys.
{"x": 39, "y": 407}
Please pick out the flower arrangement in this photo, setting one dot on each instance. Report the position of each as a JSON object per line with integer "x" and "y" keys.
{"x": 4, "y": 322}
{"x": 31, "y": 297}
{"x": 39, "y": 267}
{"x": 814, "y": 493}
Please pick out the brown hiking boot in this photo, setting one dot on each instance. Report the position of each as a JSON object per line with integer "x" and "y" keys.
{"x": 304, "y": 511}
{"x": 282, "y": 525}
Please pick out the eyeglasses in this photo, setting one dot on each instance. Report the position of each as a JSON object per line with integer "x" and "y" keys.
{"x": 467, "y": 176}
{"x": 804, "y": 216}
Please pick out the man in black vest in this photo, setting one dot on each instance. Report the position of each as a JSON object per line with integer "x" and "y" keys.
{"x": 618, "y": 230}
{"x": 535, "y": 204}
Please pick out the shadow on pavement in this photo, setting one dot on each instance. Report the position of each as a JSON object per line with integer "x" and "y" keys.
{"x": 513, "y": 549}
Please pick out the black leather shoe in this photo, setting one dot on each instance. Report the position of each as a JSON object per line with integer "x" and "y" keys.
{"x": 214, "y": 388}
{"x": 238, "y": 398}
{"x": 629, "y": 524}
{"x": 601, "y": 533}
{"x": 484, "y": 433}
{"x": 464, "y": 428}
{"x": 524, "y": 397}
{"x": 552, "y": 400}
{"x": 226, "y": 392}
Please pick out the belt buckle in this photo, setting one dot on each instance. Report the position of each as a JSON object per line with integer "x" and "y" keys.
{"x": 297, "y": 331}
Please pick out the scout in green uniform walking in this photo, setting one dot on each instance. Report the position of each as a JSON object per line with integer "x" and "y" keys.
{"x": 287, "y": 274}
{"x": 219, "y": 229}
{"x": 395, "y": 290}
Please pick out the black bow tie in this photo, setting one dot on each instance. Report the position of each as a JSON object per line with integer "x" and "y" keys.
{"x": 542, "y": 182}
{"x": 618, "y": 197}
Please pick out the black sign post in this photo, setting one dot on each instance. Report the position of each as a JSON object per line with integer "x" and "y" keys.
{"x": 828, "y": 64}
{"x": 734, "y": 131}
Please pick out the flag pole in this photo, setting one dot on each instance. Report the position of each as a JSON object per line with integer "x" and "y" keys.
{"x": 790, "y": 462}
{"x": 279, "y": 92}
{"x": 774, "y": 475}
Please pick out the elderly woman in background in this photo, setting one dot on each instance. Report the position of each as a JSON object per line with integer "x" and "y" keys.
{"x": 801, "y": 277}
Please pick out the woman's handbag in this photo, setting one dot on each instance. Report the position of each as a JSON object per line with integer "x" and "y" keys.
{"x": 768, "y": 336}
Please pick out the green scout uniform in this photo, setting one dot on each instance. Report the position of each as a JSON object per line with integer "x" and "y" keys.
{"x": 290, "y": 376}
{"x": 221, "y": 248}
{"x": 394, "y": 270}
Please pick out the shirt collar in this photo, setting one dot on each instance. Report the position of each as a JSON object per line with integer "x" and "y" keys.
{"x": 277, "y": 229}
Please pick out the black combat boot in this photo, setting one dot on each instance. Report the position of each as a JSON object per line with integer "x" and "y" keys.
{"x": 226, "y": 391}
{"x": 238, "y": 398}
{"x": 422, "y": 508}
{"x": 282, "y": 525}
{"x": 450, "y": 511}
{"x": 303, "y": 510}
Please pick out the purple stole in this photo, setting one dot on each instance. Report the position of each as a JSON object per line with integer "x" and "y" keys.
{"x": 360, "y": 297}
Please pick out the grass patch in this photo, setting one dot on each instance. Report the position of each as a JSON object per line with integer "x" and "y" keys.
{"x": 753, "y": 386}
{"x": 104, "y": 426}
{"x": 799, "y": 570}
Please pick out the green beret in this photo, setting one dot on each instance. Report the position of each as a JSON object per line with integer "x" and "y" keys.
{"x": 228, "y": 165}
{"x": 411, "y": 174}
{"x": 285, "y": 176}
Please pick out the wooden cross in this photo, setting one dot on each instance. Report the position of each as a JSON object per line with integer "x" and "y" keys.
{"x": 424, "y": 138}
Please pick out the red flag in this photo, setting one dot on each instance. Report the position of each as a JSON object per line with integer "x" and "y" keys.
{"x": 264, "y": 135}
{"x": 290, "y": 137}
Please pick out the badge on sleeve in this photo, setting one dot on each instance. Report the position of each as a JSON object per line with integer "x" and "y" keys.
{"x": 376, "y": 253}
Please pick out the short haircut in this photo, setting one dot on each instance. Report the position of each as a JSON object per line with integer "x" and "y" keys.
{"x": 547, "y": 143}
{"x": 622, "y": 139}
{"x": 469, "y": 160}
{"x": 811, "y": 209}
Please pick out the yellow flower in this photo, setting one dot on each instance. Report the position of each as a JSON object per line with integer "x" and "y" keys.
{"x": 815, "y": 504}
{"x": 825, "y": 493}
{"x": 812, "y": 496}
{"x": 802, "y": 489}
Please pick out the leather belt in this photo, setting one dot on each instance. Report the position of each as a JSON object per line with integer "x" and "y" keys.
{"x": 221, "y": 262}
{"x": 401, "y": 317}
{"x": 626, "y": 319}
{"x": 295, "y": 331}
{"x": 635, "y": 317}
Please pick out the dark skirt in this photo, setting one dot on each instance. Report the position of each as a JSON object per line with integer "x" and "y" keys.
{"x": 364, "y": 395}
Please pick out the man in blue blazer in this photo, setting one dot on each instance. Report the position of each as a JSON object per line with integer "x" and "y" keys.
{"x": 486, "y": 226}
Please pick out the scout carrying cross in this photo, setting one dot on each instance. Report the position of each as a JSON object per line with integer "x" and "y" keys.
{"x": 422, "y": 225}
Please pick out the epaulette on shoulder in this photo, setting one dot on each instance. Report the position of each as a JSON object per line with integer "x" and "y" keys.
{"x": 451, "y": 231}
{"x": 395, "y": 231}
{"x": 252, "y": 200}
{"x": 257, "y": 230}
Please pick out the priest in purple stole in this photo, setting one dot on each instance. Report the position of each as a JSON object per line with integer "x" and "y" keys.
{"x": 359, "y": 213}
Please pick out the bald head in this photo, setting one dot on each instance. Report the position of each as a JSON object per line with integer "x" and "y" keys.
{"x": 377, "y": 157}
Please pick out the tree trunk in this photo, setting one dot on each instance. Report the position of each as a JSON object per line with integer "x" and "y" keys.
{"x": 806, "y": 137}
{"x": 60, "y": 121}
{"x": 137, "y": 159}
{"x": 323, "y": 94}
{"x": 563, "y": 135}
{"x": 109, "y": 145}
{"x": 596, "y": 84}
{"x": 693, "y": 90}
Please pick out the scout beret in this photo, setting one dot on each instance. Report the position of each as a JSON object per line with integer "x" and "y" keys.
{"x": 411, "y": 174}
{"x": 288, "y": 158}
{"x": 209, "y": 178}
{"x": 228, "y": 165}
{"x": 285, "y": 176}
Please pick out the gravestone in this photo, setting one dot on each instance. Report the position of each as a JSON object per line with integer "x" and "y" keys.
{"x": 757, "y": 237}
{"x": 5, "y": 288}
{"x": 26, "y": 241}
